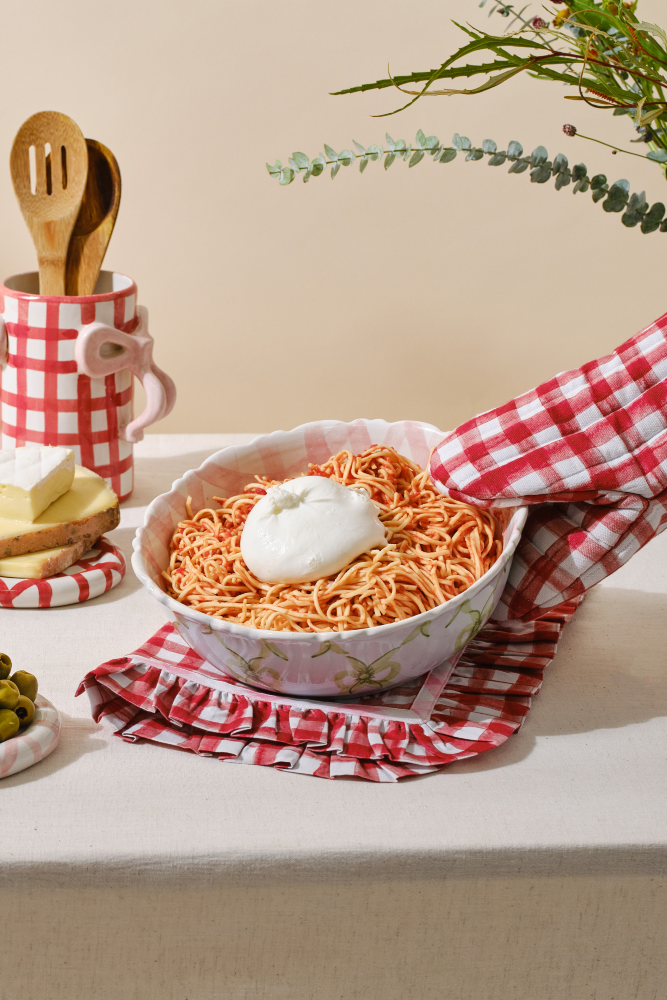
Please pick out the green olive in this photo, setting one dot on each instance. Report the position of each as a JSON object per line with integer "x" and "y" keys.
{"x": 9, "y": 694}
{"x": 5, "y": 666}
{"x": 25, "y": 710}
{"x": 26, "y": 683}
{"x": 9, "y": 724}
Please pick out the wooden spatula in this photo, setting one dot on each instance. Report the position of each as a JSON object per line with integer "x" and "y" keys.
{"x": 50, "y": 147}
{"x": 95, "y": 222}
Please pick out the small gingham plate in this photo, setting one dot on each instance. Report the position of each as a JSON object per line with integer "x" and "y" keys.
{"x": 100, "y": 569}
{"x": 35, "y": 743}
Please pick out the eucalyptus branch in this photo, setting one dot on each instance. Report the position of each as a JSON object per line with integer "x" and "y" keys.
{"x": 615, "y": 197}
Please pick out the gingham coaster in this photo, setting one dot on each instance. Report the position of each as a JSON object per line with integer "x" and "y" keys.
{"x": 100, "y": 569}
{"x": 166, "y": 693}
{"x": 588, "y": 449}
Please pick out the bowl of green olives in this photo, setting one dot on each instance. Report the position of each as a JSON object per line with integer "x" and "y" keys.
{"x": 29, "y": 723}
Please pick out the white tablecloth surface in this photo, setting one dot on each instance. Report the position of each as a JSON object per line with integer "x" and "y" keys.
{"x": 534, "y": 872}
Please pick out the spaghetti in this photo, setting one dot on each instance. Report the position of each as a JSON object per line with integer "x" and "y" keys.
{"x": 436, "y": 548}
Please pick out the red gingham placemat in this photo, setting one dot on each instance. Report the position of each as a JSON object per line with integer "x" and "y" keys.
{"x": 166, "y": 693}
{"x": 588, "y": 449}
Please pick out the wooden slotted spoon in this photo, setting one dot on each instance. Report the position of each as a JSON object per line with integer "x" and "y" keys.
{"x": 95, "y": 222}
{"x": 51, "y": 200}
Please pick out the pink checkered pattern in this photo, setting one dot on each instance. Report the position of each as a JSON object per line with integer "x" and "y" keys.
{"x": 46, "y": 400}
{"x": 166, "y": 693}
{"x": 588, "y": 449}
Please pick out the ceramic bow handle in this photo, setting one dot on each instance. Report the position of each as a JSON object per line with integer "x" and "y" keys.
{"x": 102, "y": 350}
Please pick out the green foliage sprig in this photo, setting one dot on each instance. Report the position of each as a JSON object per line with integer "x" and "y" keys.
{"x": 600, "y": 47}
{"x": 615, "y": 197}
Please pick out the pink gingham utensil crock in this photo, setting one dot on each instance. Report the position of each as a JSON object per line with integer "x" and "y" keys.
{"x": 67, "y": 366}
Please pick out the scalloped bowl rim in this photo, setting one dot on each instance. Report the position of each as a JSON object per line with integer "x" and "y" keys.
{"x": 220, "y": 624}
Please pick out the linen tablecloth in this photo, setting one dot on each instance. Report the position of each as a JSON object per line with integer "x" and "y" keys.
{"x": 535, "y": 871}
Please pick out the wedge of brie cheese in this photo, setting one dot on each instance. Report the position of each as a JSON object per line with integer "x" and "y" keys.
{"x": 31, "y": 478}
{"x": 82, "y": 514}
{"x": 40, "y": 565}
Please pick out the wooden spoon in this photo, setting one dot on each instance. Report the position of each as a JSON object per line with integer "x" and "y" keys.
{"x": 50, "y": 202}
{"x": 95, "y": 222}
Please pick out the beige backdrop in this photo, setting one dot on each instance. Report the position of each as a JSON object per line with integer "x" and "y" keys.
{"x": 430, "y": 293}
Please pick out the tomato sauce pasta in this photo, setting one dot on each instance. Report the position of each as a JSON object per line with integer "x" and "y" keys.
{"x": 436, "y": 548}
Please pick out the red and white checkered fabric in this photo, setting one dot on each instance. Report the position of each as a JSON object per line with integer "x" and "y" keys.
{"x": 166, "y": 693}
{"x": 588, "y": 448}
{"x": 46, "y": 400}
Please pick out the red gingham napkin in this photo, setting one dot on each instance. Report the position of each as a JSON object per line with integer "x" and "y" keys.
{"x": 588, "y": 448}
{"x": 166, "y": 693}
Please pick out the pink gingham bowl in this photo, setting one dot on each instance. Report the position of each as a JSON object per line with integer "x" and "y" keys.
{"x": 320, "y": 665}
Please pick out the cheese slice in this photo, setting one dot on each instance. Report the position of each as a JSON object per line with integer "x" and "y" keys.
{"x": 31, "y": 478}
{"x": 82, "y": 514}
{"x": 40, "y": 565}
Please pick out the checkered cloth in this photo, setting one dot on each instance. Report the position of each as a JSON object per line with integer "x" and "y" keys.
{"x": 588, "y": 449}
{"x": 167, "y": 694}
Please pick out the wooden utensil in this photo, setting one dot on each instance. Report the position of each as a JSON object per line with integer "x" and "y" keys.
{"x": 95, "y": 222}
{"x": 50, "y": 147}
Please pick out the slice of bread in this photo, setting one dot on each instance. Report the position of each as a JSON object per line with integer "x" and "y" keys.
{"x": 79, "y": 516}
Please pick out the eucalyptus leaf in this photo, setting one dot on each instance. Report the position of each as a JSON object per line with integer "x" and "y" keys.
{"x": 293, "y": 165}
{"x": 461, "y": 141}
{"x": 331, "y": 153}
{"x": 638, "y": 203}
{"x": 286, "y": 176}
{"x": 346, "y": 157}
{"x": 663, "y": 227}
{"x": 363, "y": 163}
{"x": 582, "y": 185}
{"x": 657, "y": 154}
{"x": 514, "y": 150}
{"x": 388, "y": 160}
{"x": 599, "y": 194}
{"x": 541, "y": 174}
{"x": 539, "y": 155}
{"x": 390, "y": 142}
{"x": 432, "y": 142}
{"x": 448, "y": 155}
{"x": 579, "y": 171}
{"x": 420, "y": 139}
{"x": 613, "y": 204}
{"x": 334, "y": 170}
{"x": 560, "y": 163}
{"x": 318, "y": 165}
{"x": 631, "y": 219}
{"x": 359, "y": 148}
{"x": 656, "y": 212}
{"x": 489, "y": 146}
{"x": 475, "y": 154}
{"x": 274, "y": 169}
{"x": 374, "y": 151}
{"x": 416, "y": 158}
{"x": 518, "y": 167}
{"x": 563, "y": 178}
{"x": 598, "y": 181}
{"x": 301, "y": 159}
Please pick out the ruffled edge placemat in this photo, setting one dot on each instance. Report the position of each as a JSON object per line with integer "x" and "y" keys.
{"x": 166, "y": 693}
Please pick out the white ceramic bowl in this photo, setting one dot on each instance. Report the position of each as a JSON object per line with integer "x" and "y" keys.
{"x": 316, "y": 664}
